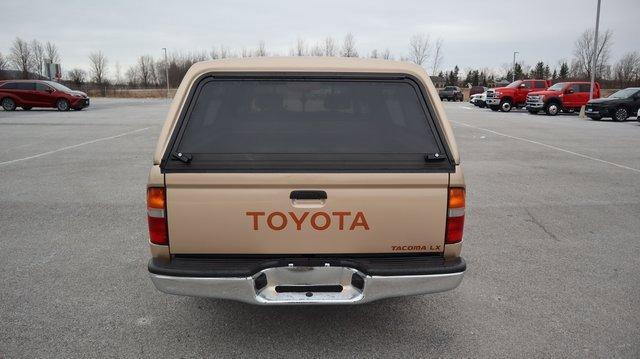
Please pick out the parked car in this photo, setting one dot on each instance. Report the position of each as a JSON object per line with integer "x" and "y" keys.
{"x": 451, "y": 93}
{"x": 618, "y": 106}
{"x": 514, "y": 94}
{"x": 482, "y": 101}
{"x": 479, "y": 99}
{"x": 477, "y": 90}
{"x": 289, "y": 180}
{"x": 36, "y": 93}
{"x": 563, "y": 96}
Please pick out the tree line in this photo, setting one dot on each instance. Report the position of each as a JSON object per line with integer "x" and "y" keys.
{"x": 623, "y": 73}
{"x": 29, "y": 58}
{"x": 149, "y": 71}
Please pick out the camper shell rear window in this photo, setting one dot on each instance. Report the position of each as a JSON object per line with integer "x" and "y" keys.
{"x": 280, "y": 123}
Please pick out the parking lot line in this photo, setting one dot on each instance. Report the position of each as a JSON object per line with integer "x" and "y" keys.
{"x": 73, "y": 146}
{"x": 549, "y": 146}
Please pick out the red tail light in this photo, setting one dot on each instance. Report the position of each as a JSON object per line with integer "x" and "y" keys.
{"x": 455, "y": 216}
{"x": 156, "y": 214}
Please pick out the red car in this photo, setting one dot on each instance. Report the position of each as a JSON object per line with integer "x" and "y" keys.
{"x": 514, "y": 95}
{"x": 35, "y": 93}
{"x": 563, "y": 96}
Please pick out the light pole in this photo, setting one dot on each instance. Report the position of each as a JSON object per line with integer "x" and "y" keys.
{"x": 513, "y": 74}
{"x": 166, "y": 69}
{"x": 595, "y": 52}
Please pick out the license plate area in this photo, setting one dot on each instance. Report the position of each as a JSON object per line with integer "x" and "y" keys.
{"x": 298, "y": 284}
{"x": 309, "y": 288}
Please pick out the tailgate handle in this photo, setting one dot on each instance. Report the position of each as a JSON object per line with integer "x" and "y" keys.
{"x": 301, "y": 195}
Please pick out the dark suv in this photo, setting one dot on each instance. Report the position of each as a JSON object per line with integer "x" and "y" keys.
{"x": 619, "y": 106}
{"x": 35, "y": 93}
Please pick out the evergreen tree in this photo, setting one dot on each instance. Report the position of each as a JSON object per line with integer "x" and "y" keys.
{"x": 454, "y": 76}
{"x": 518, "y": 72}
{"x": 554, "y": 77}
{"x": 475, "y": 78}
{"x": 509, "y": 75}
{"x": 538, "y": 71}
{"x": 547, "y": 72}
{"x": 468, "y": 79}
{"x": 564, "y": 71}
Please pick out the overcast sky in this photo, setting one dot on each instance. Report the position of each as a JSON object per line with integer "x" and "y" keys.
{"x": 476, "y": 34}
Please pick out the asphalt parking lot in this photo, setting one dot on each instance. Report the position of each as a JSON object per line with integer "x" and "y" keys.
{"x": 552, "y": 242}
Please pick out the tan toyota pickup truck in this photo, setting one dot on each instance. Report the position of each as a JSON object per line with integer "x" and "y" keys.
{"x": 306, "y": 181}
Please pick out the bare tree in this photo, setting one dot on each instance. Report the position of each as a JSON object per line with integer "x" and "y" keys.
{"x": 145, "y": 70}
{"x": 386, "y": 54}
{"x": 224, "y": 52}
{"x": 349, "y": 46}
{"x": 627, "y": 70}
{"x": 214, "y": 54}
{"x": 38, "y": 56}
{"x": 419, "y": 48}
{"x": 199, "y": 56}
{"x": 153, "y": 73}
{"x": 261, "y": 50}
{"x": 161, "y": 70}
{"x": 77, "y": 76}
{"x": 51, "y": 53}
{"x": 21, "y": 57}
{"x": 132, "y": 76}
{"x": 3, "y": 62}
{"x": 118, "y": 74}
{"x": 374, "y": 54}
{"x": 506, "y": 71}
{"x": 317, "y": 50}
{"x": 585, "y": 50}
{"x": 300, "y": 49}
{"x": 245, "y": 52}
{"x": 437, "y": 56}
{"x": 329, "y": 47}
{"x": 98, "y": 64}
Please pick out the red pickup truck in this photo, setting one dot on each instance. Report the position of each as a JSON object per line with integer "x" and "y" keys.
{"x": 563, "y": 96}
{"x": 514, "y": 94}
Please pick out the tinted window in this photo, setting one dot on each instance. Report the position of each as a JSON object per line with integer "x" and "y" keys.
{"x": 10, "y": 86}
{"x": 626, "y": 93}
{"x": 557, "y": 87}
{"x": 450, "y": 88}
{"x": 585, "y": 87}
{"x": 253, "y": 119}
{"x": 575, "y": 87}
{"x": 541, "y": 84}
{"x": 42, "y": 87}
{"x": 528, "y": 84}
{"x": 27, "y": 86}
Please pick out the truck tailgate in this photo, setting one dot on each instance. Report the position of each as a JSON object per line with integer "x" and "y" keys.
{"x": 252, "y": 213}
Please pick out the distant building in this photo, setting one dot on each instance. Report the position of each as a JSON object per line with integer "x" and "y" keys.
{"x": 438, "y": 81}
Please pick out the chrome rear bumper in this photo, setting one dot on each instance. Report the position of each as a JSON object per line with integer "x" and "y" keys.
{"x": 307, "y": 285}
